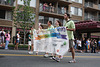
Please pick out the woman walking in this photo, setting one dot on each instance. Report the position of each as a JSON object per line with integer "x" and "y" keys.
{"x": 7, "y": 40}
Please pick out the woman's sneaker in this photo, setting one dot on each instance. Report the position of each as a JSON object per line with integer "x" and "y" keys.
{"x": 72, "y": 61}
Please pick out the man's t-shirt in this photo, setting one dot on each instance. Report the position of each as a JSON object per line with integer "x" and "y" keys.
{"x": 70, "y": 25}
{"x": 99, "y": 43}
{"x": 51, "y": 27}
{"x": 86, "y": 42}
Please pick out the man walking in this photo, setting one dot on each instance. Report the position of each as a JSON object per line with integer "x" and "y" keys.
{"x": 70, "y": 27}
{"x": 50, "y": 26}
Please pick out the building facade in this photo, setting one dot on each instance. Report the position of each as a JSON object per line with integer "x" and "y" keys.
{"x": 56, "y": 8}
{"x": 79, "y": 10}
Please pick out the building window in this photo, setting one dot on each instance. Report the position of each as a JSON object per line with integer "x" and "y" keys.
{"x": 51, "y": 19}
{"x": 44, "y": 20}
{"x": 8, "y": 15}
{"x": 41, "y": 19}
{"x": 62, "y": 10}
{"x": 76, "y": 11}
{"x": 32, "y": 2}
{"x": 79, "y": 11}
{"x": 72, "y": 10}
{"x": 2, "y": 14}
{"x": 26, "y": 2}
{"x": 7, "y": 2}
{"x": 91, "y": 16}
{"x": 76, "y": 21}
{"x": 78, "y": 1}
{"x": 5, "y": 14}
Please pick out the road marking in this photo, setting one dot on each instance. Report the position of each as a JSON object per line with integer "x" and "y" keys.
{"x": 42, "y": 55}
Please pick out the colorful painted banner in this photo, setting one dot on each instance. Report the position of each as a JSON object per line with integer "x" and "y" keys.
{"x": 52, "y": 41}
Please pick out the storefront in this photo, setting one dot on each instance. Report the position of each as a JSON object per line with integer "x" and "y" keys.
{"x": 88, "y": 29}
{"x": 21, "y": 33}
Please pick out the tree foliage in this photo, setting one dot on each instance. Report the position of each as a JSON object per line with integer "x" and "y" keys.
{"x": 24, "y": 15}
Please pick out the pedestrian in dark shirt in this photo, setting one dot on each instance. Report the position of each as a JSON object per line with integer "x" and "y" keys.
{"x": 83, "y": 44}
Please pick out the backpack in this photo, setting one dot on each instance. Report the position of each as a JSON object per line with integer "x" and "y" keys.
{"x": 2, "y": 34}
{"x": 16, "y": 37}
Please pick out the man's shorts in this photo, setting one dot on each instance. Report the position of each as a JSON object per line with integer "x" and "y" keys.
{"x": 29, "y": 43}
{"x": 71, "y": 43}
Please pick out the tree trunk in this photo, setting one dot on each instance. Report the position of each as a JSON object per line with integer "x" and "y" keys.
{"x": 24, "y": 36}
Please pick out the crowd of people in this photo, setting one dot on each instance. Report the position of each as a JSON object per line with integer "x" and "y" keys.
{"x": 87, "y": 45}
{"x": 5, "y": 39}
{"x": 48, "y": 7}
{"x": 4, "y": 35}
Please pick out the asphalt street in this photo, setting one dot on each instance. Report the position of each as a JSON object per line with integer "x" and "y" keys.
{"x": 21, "y": 58}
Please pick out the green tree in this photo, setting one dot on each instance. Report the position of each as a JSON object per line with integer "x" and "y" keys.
{"x": 24, "y": 16}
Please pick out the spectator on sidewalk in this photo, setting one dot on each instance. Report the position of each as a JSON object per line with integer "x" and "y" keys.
{"x": 91, "y": 45}
{"x": 83, "y": 44}
{"x": 75, "y": 47}
{"x": 2, "y": 33}
{"x": 79, "y": 45}
{"x": 7, "y": 39}
{"x": 32, "y": 40}
{"x": 99, "y": 45}
{"x": 17, "y": 41}
{"x": 29, "y": 41}
{"x": 0, "y": 39}
{"x": 88, "y": 45}
{"x": 95, "y": 46}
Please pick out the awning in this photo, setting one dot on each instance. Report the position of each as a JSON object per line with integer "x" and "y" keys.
{"x": 20, "y": 29}
{"x": 6, "y": 28}
{"x": 87, "y": 25}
